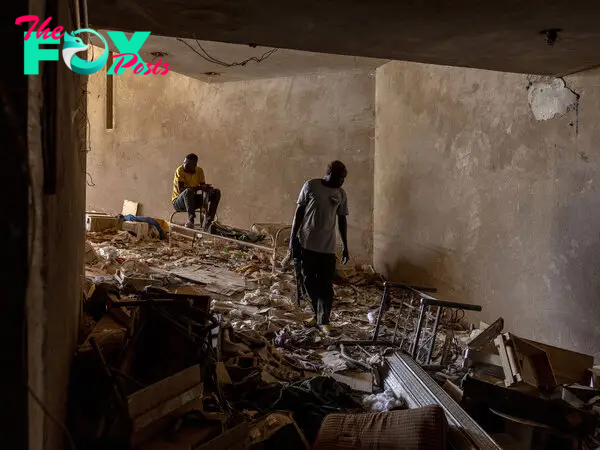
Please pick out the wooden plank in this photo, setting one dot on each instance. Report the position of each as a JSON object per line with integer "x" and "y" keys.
{"x": 534, "y": 364}
{"x": 146, "y": 399}
{"x": 568, "y": 366}
{"x": 158, "y": 427}
{"x": 234, "y": 439}
{"x": 358, "y": 381}
{"x": 168, "y": 407}
{"x": 509, "y": 379}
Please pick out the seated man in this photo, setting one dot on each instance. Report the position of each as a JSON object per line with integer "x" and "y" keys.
{"x": 188, "y": 180}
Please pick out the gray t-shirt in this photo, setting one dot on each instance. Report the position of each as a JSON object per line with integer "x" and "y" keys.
{"x": 323, "y": 205}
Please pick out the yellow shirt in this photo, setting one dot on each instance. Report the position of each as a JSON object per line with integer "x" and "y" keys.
{"x": 188, "y": 179}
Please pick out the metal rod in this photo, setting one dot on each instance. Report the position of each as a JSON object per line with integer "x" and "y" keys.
{"x": 435, "y": 328}
{"x": 408, "y": 286}
{"x": 415, "y": 345}
{"x": 397, "y": 320}
{"x": 406, "y": 321}
{"x": 368, "y": 343}
{"x": 380, "y": 313}
{"x": 430, "y": 301}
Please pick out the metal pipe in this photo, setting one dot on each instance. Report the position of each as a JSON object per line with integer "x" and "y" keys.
{"x": 434, "y": 334}
{"x": 415, "y": 345}
{"x": 393, "y": 284}
{"x": 369, "y": 343}
{"x": 404, "y": 331}
{"x": 397, "y": 320}
{"x": 384, "y": 296}
{"x": 430, "y": 301}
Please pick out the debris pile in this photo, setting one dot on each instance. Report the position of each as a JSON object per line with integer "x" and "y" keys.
{"x": 218, "y": 322}
{"x": 207, "y": 345}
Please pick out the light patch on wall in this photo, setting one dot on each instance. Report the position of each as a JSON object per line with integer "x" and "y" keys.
{"x": 550, "y": 99}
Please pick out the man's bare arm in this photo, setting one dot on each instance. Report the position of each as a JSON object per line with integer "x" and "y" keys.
{"x": 298, "y": 218}
{"x": 343, "y": 227}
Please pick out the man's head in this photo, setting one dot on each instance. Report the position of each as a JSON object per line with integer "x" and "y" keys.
{"x": 190, "y": 162}
{"x": 336, "y": 174}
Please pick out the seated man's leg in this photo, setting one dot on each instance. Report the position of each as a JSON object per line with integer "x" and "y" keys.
{"x": 186, "y": 202}
{"x": 214, "y": 197}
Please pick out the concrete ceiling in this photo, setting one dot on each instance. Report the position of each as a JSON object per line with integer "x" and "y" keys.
{"x": 497, "y": 35}
{"x": 182, "y": 56}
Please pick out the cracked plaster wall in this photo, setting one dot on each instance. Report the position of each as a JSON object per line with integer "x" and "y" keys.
{"x": 473, "y": 195}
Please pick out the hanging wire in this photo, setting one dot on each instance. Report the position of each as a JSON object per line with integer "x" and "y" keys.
{"x": 205, "y": 55}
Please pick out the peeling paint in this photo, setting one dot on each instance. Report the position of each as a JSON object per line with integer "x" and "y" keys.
{"x": 548, "y": 100}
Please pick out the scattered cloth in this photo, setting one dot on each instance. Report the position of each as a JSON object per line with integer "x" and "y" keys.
{"x": 149, "y": 221}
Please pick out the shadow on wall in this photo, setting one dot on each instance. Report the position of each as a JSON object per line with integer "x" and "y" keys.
{"x": 430, "y": 267}
{"x": 575, "y": 287}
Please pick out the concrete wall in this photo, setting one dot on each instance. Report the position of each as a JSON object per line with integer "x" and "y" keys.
{"x": 258, "y": 141}
{"x": 56, "y": 234}
{"x": 476, "y": 197}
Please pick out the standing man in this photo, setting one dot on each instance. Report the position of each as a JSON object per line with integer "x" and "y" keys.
{"x": 321, "y": 203}
{"x": 187, "y": 182}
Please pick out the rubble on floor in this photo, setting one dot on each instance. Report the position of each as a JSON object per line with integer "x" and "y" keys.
{"x": 246, "y": 355}
{"x": 257, "y": 355}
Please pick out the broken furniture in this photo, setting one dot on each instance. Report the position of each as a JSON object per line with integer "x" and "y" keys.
{"x": 419, "y": 428}
{"x": 151, "y": 408}
{"x": 487, "y": 401}
{"x": 157, "y": 351}
{"x": 410, "y": 382}
{"x": 516, "y": 360}
{"x": 481, "y": 350}
{"x": 422, "y": 312}
{"x": 514, "y": 388}
{"x": 277, "y": 232}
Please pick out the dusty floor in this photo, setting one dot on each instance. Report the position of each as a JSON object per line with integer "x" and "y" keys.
{"x": 259, "y": 302}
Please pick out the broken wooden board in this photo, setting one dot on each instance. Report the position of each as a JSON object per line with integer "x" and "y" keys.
{"x": 146, "y": 399}
{"x": 129, "y": 207}
{"x": 151, "y": 409}
{"x": 237, "y": 438}
{"x": 218, "y": 280}
{"x": 186, "y": 438}
{"x": 358, "y": 381}
{"x": 568, "y": 366}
